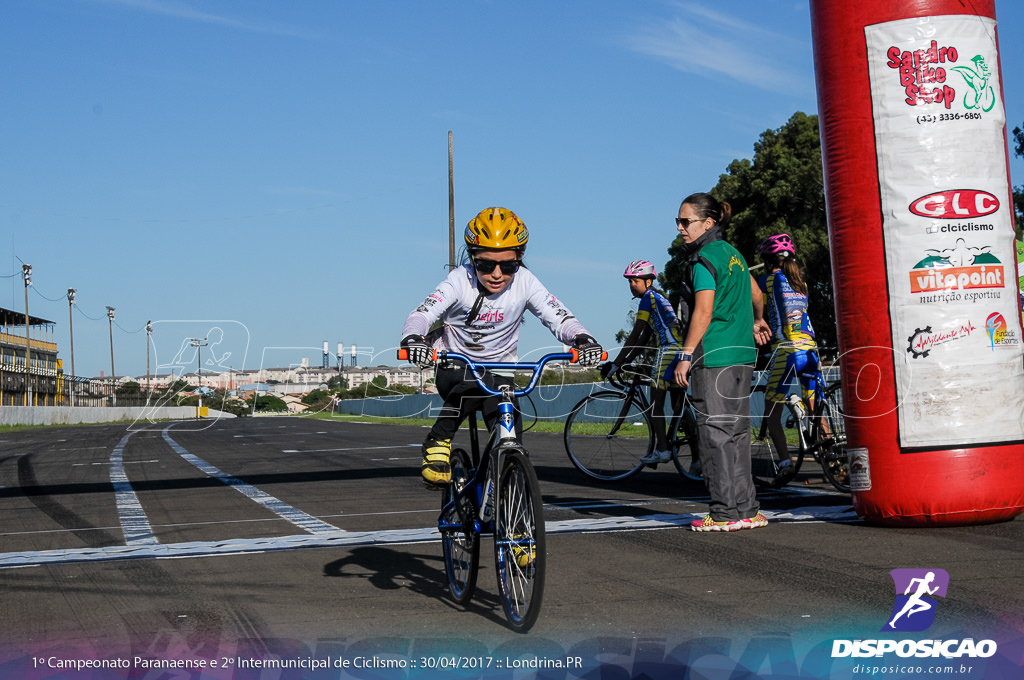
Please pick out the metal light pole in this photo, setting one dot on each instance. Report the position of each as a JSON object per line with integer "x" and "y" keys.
{"x": 26, "y": 271}
{"x": 451, "y": 205}
{"x": 149, "y": 337}
{"x": 113, "y": 381}
{"x": 199, "y": 343}
{"x": 71, "y": 328}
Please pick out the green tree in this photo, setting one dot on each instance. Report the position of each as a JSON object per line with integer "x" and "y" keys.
{"x": 780, "y": 190}
{"x": 129, "y": 389}
{"x": 378, "y": 387}
{"x": 268, "y": 402}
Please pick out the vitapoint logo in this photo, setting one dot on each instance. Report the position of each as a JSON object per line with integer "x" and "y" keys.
{"x": 913, "y": 611}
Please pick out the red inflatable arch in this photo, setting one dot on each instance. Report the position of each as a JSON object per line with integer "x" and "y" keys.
{"x": 921, "y": 225}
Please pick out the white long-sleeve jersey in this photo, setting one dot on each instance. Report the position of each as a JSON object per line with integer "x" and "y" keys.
{"x": 494, "y": 334}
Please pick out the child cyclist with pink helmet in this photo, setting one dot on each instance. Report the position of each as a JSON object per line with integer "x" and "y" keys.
{"x": 794, "y": 350}
{"x": 654, "y": 317}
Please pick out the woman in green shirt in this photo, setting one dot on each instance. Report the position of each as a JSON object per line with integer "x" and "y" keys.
{"x": 718, "y": 361}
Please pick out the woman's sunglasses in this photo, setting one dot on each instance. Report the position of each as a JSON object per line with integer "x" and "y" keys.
{"x": 487, "y": 266}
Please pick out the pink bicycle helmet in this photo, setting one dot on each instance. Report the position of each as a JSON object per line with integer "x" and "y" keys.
{"x": 640, "y": 269}
{"x": 780, "y": 244}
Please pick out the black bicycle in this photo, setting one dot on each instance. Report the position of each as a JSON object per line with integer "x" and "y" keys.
{"x": 821, "y": 430}
{"x": 495, "y": 491}
{"x": 607, "y": 433}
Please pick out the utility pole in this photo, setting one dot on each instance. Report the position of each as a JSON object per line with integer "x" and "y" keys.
{"x": 451, "y": 205}
{"x": 149, "y": 337}
{"x": 199, "y": 343}
{"x": 113, "y": 379}
{"x": 71, "y": 328}
{"x": 26, "y": 271}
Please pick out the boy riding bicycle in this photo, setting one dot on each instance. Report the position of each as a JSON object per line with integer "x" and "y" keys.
{"x": 481, "y": 306}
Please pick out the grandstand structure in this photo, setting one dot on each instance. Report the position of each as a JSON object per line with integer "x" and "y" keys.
{"x": 30, "y": 372}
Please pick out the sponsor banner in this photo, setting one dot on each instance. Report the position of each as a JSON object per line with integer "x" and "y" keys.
{"x": 947, "y": 229}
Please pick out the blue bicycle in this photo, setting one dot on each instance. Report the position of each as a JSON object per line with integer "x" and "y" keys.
{"x": 495, "y": 491}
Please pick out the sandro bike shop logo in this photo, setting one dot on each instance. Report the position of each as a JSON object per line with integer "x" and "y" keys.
{"x": 924, "y": 76}
{"x": 914, "y": 610}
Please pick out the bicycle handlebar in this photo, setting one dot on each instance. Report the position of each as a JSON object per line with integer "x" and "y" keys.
{"x": 476, "y": 367}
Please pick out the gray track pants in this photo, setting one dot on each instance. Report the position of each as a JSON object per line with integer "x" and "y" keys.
{"x": 721, "y": 398}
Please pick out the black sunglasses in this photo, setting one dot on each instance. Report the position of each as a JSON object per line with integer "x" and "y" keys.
{"x": 487, "y": 266}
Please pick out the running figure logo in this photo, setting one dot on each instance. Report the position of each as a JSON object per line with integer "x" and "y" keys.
{"x": 914, "y": 609}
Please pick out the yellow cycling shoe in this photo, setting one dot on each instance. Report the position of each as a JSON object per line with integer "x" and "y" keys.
{"x": 523, "y": 553}
{"x": 436, "y": 469}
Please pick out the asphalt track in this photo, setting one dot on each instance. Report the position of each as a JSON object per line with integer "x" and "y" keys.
{"x": 297, "y": 537}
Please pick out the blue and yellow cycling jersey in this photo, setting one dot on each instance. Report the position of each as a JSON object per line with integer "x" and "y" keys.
{"x": 656, "y": 311}
{"x": 786, "y": 312}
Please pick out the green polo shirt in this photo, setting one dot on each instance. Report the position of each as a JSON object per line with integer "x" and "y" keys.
{"x": 729, "y": 339}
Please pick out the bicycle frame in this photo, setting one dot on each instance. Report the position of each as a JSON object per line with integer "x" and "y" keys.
{"x": 819, "y": 427}
{"x": 608, "y": 449}
{"x": 635, "y": 390}
{"x": 502, "y": 432}
{"x": 496, "y": 491}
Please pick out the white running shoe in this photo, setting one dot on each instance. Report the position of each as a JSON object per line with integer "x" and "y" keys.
{"x": 656, "y": 457}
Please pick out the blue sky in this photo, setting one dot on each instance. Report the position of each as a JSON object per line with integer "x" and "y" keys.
{"x": 272, "y": 175}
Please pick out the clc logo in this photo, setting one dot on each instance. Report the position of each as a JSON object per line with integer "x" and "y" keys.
{"x": 956, "y": 204}
{"x": 914, "y": 609}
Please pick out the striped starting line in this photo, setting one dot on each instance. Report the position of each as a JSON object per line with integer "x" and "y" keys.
{"x": 141, "y": 542}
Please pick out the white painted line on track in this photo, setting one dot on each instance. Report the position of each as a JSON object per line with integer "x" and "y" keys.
{"x": 134, "y": 523}
{"x": 354, "y": 448}
{"x": 349, "y": 539}
{"x": 275, "y": 505}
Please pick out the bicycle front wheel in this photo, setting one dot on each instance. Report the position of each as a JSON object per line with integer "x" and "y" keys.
{"x": 684, "y": 447}
{"x": 458, "y": 536}
{"x": 519, "y": 546}
{"x": 830, "y": 438}
{"x": 607, "y": 434}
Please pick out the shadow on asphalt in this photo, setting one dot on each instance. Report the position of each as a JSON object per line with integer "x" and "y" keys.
{"x": 388, "y": 569}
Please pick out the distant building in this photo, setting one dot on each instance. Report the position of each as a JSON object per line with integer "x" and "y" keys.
{"x": 38, "y": 381}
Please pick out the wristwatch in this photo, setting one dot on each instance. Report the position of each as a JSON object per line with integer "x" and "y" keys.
{"x": 685, "y": 356}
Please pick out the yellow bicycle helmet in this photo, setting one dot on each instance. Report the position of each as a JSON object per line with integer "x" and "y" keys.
{"x": 496, "y": 229}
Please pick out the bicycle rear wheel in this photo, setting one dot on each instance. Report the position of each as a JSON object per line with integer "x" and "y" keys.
{"x": 519, "y": 546}
{"x": 684, "y": 447}
{"x": 764, "y": 464}
{"x": 606, "y": 436}
{"x": 458, "y": 536}
{"x": 831, "y": 444}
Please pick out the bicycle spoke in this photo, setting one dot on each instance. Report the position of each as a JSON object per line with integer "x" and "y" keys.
{"x": 605, "y": 437}
{"x": 461, "y": 545}
{"x": 831, "y": 433}
{"x": 518, "y": 541}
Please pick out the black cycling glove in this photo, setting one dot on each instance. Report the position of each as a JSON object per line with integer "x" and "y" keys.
{"x": 419, "y": 352}
{"x": 590, "y": 352}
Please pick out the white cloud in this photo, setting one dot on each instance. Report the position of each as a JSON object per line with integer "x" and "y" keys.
{"x": 185, "y": 12}
{"x": 711, "y": 44}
